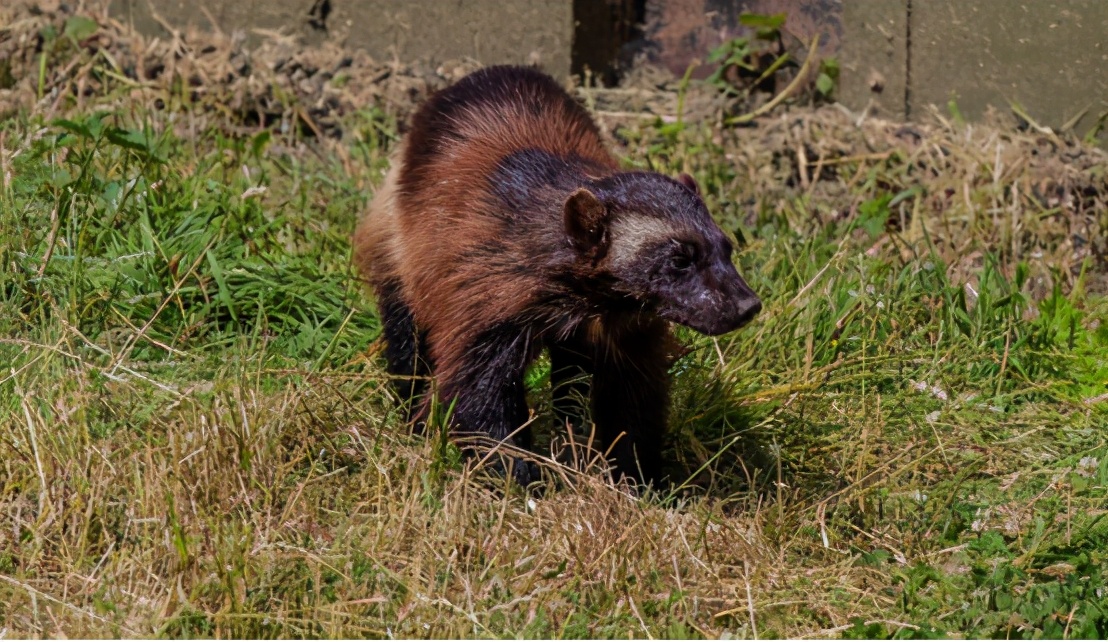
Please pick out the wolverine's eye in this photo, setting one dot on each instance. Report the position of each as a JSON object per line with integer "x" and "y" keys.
{"x": 683, "y": 258}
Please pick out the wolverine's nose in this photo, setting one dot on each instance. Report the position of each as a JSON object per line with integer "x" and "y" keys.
{"x": 745, "y": 304}
{"x": 747, "y": 309}
{"x": 735, "y": 304}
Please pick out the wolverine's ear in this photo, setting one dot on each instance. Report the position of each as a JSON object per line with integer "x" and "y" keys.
{"x": 689, "y": 182}
{"x": 586, "y": 221}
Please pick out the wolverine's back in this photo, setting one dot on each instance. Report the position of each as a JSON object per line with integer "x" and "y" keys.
{"x": 472, "y": 125}
{"x": 437, "y": 224}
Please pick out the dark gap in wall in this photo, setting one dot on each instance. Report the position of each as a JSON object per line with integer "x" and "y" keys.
{"x": 604, "y": 36}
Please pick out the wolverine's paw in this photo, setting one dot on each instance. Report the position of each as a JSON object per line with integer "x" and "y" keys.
{"x": 525, "y": 472}
{"x": 492, "y": 468}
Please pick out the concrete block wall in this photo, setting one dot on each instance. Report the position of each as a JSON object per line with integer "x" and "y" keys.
{"x": 896, "y": 56}
{"x": 491, "y": 31}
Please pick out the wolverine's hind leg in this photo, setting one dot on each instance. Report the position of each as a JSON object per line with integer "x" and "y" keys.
{"x": 484, "y": 382}
{"x": 405, "y": 351}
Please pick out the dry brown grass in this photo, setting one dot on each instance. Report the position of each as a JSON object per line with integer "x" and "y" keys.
{"x": 212, "y": 500}
{"x": 210, "y": 73}
{"x": 1021, "y": 193}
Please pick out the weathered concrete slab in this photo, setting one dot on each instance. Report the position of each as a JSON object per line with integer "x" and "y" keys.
{"x": 896, "y": 56}
{"x": 873, "y": 60}
{"x": 491, "y": 31}
{"x": 1050, "y": 57}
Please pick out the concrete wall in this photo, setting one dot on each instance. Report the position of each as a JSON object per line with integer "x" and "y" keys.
{"x": 492, "y": 31}
{"x": 896, "y": 56}
{"x": 1049, "y": 57}
{"x": 874, "y": 56}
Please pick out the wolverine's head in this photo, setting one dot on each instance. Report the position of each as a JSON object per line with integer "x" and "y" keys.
{"x": 653, "y": 239}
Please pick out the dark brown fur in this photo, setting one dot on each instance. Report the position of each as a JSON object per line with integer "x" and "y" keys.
{"x": 506, "y": 227}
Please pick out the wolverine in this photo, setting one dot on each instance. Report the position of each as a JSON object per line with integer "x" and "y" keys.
{"x": 505, "y": 227}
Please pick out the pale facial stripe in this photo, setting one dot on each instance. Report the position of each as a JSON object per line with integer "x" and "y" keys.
{"x": 630, "y": 235}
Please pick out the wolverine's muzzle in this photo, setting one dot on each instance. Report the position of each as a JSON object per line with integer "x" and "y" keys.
{"x": 720, "y": 302}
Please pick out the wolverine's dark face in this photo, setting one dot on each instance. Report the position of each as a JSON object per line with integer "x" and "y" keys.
{"x": 662, "y": 248}
{"x": 689, "y": 279}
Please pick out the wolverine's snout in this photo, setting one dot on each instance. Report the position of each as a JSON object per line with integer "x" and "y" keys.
{"x": 725, "y": 304}
{"x": 745, "y": 309}
{"x": 745, "y": 304}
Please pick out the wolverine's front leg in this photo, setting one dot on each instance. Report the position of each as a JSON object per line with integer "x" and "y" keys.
{"x": 485, "y": 384}
{"x": 630, "y": 398}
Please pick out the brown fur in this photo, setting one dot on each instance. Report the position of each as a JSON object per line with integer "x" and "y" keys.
{"x": 419, "y": 233}
{"x": 472, "y": 287}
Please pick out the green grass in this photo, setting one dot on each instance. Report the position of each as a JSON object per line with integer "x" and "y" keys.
{"x": 196, "y": 438}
